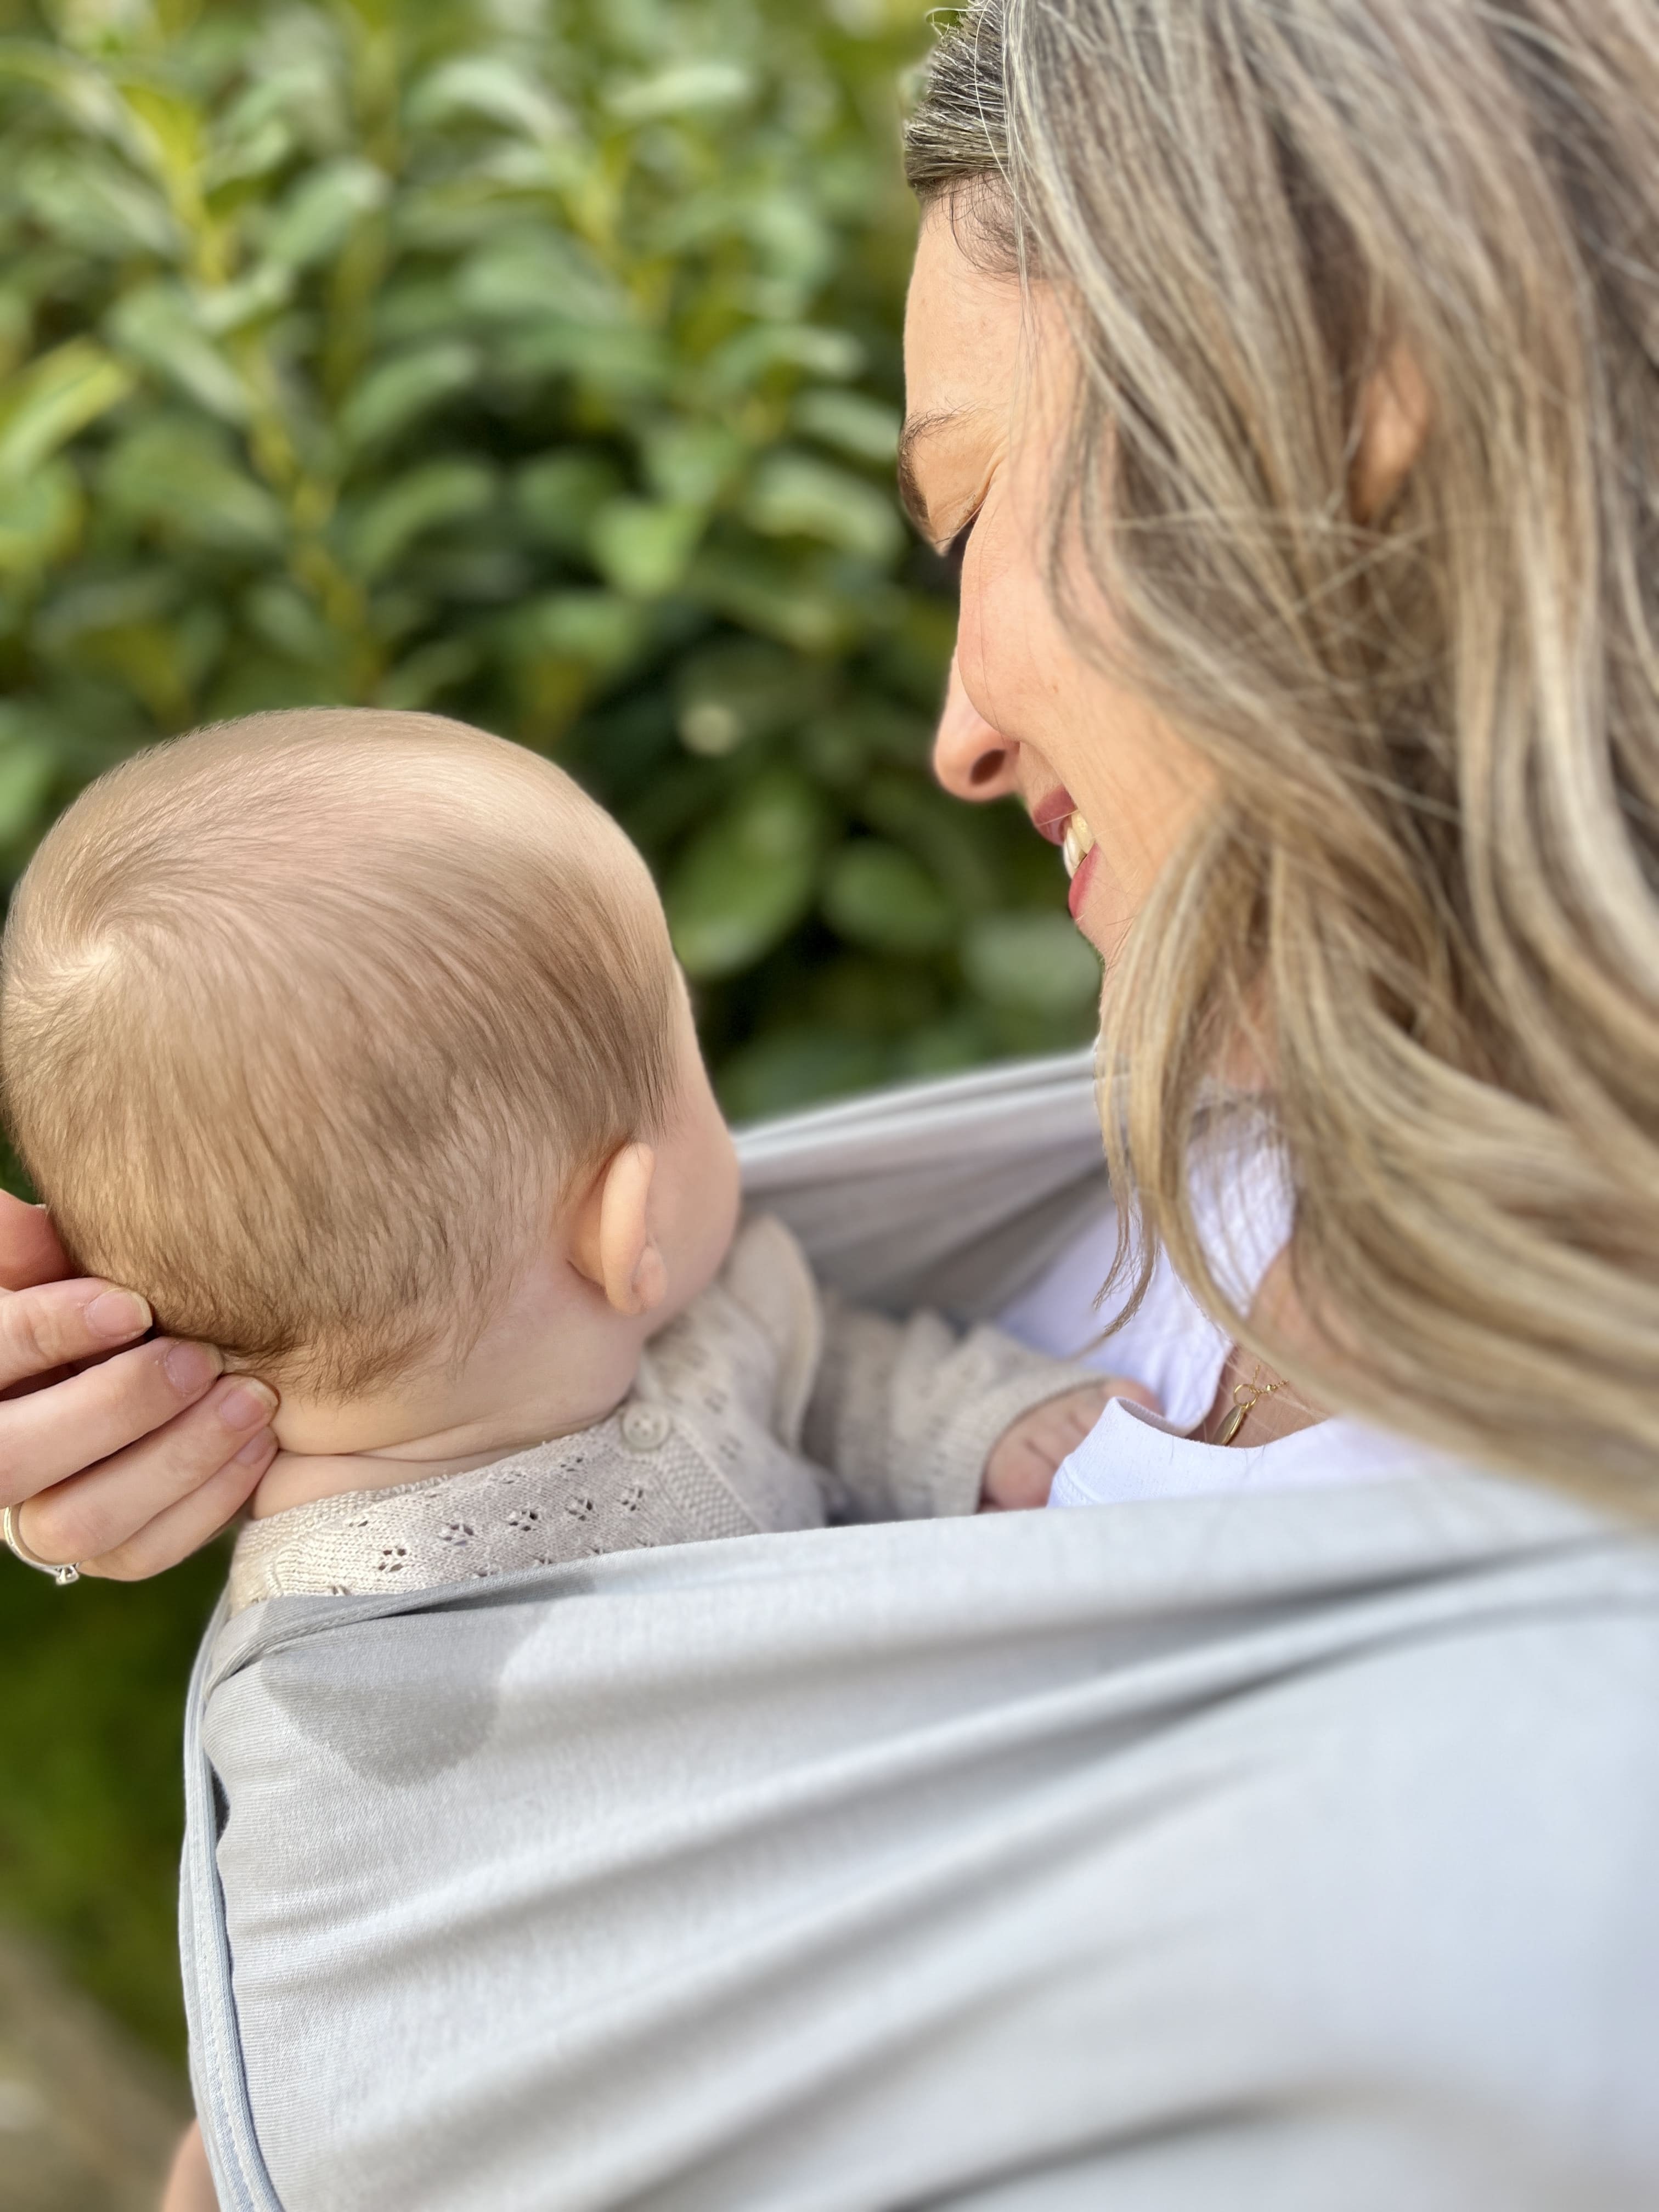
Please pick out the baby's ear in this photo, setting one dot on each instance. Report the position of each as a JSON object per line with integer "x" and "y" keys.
{"x": 612, "y": 1245}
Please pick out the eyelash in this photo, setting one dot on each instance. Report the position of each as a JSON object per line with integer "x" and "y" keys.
{"x": 957, "y": 551}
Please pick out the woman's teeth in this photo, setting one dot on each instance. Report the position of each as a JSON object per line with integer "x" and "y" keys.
{"x": 1077, "y": 844}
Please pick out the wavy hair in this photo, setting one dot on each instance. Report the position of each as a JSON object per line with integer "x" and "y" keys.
{"x": 1429, "y": 885}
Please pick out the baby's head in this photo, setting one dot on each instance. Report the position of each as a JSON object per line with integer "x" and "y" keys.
{"x": 317, "y": 1026}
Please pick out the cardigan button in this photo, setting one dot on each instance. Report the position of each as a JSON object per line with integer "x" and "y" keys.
{"x": 644, "y": 1427}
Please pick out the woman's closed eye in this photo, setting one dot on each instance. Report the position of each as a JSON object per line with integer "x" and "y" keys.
{"x": 957, "y": 551}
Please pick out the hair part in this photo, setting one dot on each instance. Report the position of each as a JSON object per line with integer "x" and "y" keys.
{"x": 1429, "y": 886}
{"x": 311, "y": 1021}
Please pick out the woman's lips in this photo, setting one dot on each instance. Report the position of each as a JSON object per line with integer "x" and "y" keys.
{"x": 1078, "y": 852}
{"x": 1078, "y": 889}
{"x": 1050, "y": 816}
{"x": 1057, "y": 818}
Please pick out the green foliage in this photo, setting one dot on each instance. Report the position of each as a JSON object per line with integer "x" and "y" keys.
{"x": 91, "y": 1806}
{"x": 535, "y": 360}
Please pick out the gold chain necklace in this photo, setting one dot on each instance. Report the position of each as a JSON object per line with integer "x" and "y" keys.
{"x": 1247, "y": 1396}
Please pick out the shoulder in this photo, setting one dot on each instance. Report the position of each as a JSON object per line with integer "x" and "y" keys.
{"x": 759, "y": 1324}
{"x": 769, "y": 1276}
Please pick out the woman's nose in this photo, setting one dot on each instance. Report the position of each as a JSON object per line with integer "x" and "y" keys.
{"x": 971, "y": 759}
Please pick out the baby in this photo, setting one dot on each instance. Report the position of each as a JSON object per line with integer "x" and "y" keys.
{"x": 353, "y": 1041}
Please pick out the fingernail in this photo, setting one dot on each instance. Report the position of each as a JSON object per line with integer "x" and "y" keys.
{"x": 249, "y": 1406}
{"x": 259, "y": 1447}
{"x": 117, "y": 1314}
{"x": 191, "y": 1367}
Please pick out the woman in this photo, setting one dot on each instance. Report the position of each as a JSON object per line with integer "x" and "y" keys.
{"x": 1285, "y": 383}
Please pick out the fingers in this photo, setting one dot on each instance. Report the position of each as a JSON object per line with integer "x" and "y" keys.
{"x": 55, "y": 1432}
{"x": 56, "y": 1324}
{"x": 193, "y": 1522}
{"x": 29, "y": 1250}
{"x": 151, "y": 1504}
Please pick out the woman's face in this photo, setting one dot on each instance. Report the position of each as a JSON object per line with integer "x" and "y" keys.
{"x": 990, "y": 375}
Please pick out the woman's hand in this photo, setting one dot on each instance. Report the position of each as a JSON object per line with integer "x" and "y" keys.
{"x": 128, "y": 1460}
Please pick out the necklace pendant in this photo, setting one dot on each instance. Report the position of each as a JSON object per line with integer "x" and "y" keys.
{"x": 1232, "y": 1424}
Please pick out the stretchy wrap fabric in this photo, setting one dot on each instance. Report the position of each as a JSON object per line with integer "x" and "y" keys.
{"x": 1291, "y": 1852}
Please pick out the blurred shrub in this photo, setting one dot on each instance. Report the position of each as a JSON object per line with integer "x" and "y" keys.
{"x": 535, "y": 360}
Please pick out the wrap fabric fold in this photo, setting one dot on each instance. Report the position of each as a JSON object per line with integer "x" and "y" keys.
{"x": 1293, "y": 1852}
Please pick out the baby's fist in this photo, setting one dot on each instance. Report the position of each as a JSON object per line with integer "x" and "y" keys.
{"x": 1026, "y": 1457}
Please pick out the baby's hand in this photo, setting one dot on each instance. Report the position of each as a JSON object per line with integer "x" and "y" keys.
{"x": 1026, "y": 1458}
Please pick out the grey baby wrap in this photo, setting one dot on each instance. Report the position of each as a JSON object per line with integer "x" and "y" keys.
{"x": 1296, "y": 1852}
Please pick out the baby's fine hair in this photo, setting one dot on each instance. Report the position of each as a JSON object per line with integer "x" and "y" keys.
{"x": 311, "y": 1021}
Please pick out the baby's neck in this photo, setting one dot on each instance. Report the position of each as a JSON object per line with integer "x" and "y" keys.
{"x": 556, "y": 1362}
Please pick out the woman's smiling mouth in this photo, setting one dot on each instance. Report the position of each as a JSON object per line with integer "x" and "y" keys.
{"x": 1056, "y": 817}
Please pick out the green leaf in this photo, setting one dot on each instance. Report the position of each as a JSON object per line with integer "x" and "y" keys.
{"x": 536, "y": 276}
{"x": 286, "y": 619}
{"x": 643, "y": 546}
{"x": 690, "y": 88}
{"x": 428, "y": 498}
{"x": 321, "y": 212}
{"x": 745, "y": 359}
{"x": 168, "y": 127}
{"x": 795, "y": 496}
{"x": 692, "y": 463}
{"x": 16, "y": 328}
{"x": 159, "y": 328}
{"x": 788, "y": 601}
{"x": 794, "y": 1067}
{"x": 88, "y": 99}
{"x": 398, "y": 392}
{"x": 879, "y": 897}
{"x": 602, "y": 632}
{"x": 230, "y": 306}
{"x": 740, "y": 689}
{"x": 1035, "y": 962}
{"x": 27, "y": 770}
{"x": 559, "y": 495}
{"x": 248, "y": 151}
{"x": 490, "y": 86}
{"x": 182, "y": 476}
{"x": 433, "y": 668}
{"x": 855, "y": 424}
{"x": 613, "y": 363}
{"x": 748, "y": 877}
{"x": 46, "y": 404}
{"x": 25, "y": 776}
{"x": 40, "y": 519}
{"x": 97, "y": 206}
{"x": 142, "y": 595}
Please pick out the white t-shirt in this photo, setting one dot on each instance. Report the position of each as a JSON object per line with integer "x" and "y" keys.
{"x": 1172, "y": 1346}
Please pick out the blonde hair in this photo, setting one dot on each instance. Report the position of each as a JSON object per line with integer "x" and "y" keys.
{"x": 309, "y": 1022}
{"x": 1429, "y": 884}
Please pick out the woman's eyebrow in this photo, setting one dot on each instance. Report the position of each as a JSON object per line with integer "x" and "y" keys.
{"x": 916, "y": 428}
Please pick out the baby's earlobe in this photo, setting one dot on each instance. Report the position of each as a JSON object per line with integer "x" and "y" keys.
{"x": 650, "y": 1281}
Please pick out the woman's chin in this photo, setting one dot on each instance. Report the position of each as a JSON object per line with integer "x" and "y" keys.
{"x": 1100, "y": 907}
